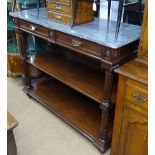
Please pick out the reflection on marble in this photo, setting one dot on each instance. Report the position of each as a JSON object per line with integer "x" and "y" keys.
{"x": 96, "y": 31}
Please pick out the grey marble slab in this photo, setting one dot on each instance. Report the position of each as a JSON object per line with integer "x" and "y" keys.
{"x": 96, "y": 31}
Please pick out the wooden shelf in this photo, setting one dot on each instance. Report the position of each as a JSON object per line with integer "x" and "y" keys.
{"x": 74, "y": 108}
{"x": 82, "y": 78}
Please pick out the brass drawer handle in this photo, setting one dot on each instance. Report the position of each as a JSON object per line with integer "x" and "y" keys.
{"x": 139, "y": 98}
{"x": 58, "y": 7}
{"x": 58, "y": 16}
{"x": 33, "y": 28}
{"x": 76, "y": 43}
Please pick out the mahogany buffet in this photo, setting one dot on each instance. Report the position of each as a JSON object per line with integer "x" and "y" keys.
{"x": 78, "y": 83}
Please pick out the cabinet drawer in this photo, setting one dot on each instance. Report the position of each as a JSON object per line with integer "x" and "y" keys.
{"x": 59, "y": 7}
{"x": 34, "y": 29}
{"x": 60, "y": 18}
{"x": 137, "y": 93}
{"x": 78, "y": 44}
{"x": 68, "y": 2}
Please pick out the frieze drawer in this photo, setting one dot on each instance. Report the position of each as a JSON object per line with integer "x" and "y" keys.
{"x": 60, "y": 18}
{"x": 38, "y": 30}
{"x": 57, "y": 7}
{"x": 137, "y": 94}
{"x": 79, "y": 45}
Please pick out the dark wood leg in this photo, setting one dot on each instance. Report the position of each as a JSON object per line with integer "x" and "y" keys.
{"x": 25, "y": 66}
{"x": 109, "y": 8}
{"x": 27, "y": 79}
{"x": 104, "y": 140}
{"x": 11, "y": 144}
{"x": 38, "y": 1}
{"x": 75, "y": 12}
{"x": 44, "y": 4}
{"x": 106, "y": 105}
{"x": 119, "y": 16}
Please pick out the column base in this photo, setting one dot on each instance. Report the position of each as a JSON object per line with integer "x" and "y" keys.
{"x": 102, "y": 145}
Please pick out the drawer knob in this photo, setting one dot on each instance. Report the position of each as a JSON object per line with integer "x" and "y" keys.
{"x": 58, "y": 16}
{"x": 76, "y": 43}
{"x": 139, "y": 98}
{"x": 33, "y": 28}
{"x": 58, "y": 7}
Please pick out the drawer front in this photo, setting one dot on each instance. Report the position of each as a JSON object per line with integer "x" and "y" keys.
{"x": 34, "y": 28}
{"x": 137, "y": 93}
{"x": 67, "y": 9}
{"x": 80, "y": 45}
{"x": 68, "y": 2}
{"x": 60, "y": 18}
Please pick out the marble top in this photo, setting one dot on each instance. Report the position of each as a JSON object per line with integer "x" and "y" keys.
{"x": 96, "y": 31}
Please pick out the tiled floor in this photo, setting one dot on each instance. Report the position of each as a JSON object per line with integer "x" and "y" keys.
{"x": 39, "y": 131}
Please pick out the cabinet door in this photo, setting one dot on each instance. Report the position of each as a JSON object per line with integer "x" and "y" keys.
{"x": 134, "y": 133}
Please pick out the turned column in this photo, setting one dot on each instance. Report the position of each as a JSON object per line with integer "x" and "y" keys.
{"x": 104, "y": 142}
{"x": 22, "y": 53}
{"x": 106, "y": 105}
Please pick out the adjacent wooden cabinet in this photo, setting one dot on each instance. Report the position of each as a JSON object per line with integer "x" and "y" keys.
{"x": 70, "y": 11}
{"x": 130, "y": 133}
{"x": 133, "y": 141}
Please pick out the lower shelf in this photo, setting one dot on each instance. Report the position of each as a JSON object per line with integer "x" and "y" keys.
{"x": 75, "y": 109}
